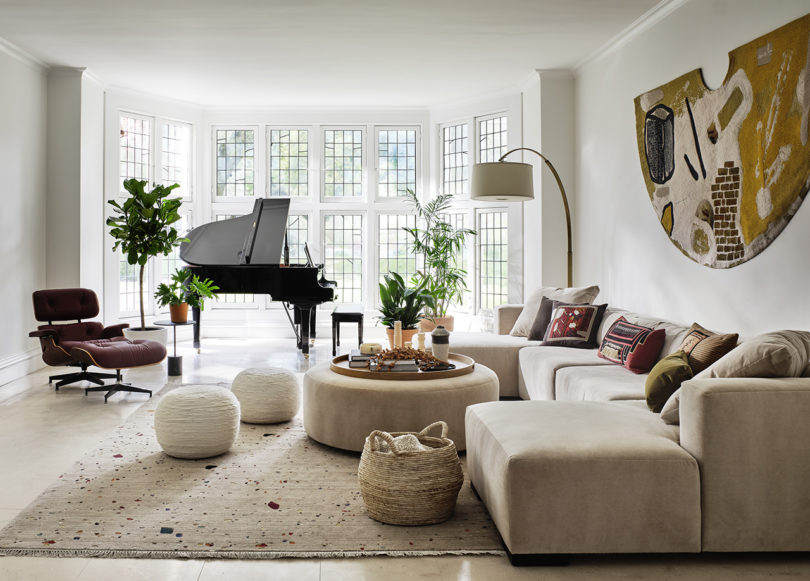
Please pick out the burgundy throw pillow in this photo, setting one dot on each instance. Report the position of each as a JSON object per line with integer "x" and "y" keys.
{"x": 573, "y": 325}
{"x": 635, "y": 347}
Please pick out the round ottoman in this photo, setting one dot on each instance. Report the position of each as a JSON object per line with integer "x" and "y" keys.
{"x": 267, "y": 395}
{"x": 341, "y": 411}
{"x": 197, "y": 421}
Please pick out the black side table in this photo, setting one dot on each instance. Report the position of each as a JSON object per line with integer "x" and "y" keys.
{"x": 175, "y": 362}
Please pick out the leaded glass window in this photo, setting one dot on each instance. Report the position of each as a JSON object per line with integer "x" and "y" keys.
{"x": 455, "y": 165}
{"x": 289, "y": 162}
{"x": 492, "y": 258}
{"x": 492, "y": 138}
{"x": 343, "y": 254}
{"x": 343, "y": 163}
{"x": 235, "y": 158}
{"x": 396, "y": 159}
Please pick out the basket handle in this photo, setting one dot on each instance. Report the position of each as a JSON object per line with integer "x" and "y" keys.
{"x": 384, "y": 436}
{"x": 433, "y": 425}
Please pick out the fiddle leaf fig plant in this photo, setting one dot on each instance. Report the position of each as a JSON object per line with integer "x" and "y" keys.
{"x": 142, "y": 226}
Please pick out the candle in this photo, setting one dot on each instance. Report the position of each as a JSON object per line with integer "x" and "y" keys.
{"x": 397, "y": 333}
{"x": 420, "y": 341}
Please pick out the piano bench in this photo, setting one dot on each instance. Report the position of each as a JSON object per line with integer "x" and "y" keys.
{"x": 346, "y": 314}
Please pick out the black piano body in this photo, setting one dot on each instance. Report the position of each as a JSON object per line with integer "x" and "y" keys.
{"x": 241, "y": 256}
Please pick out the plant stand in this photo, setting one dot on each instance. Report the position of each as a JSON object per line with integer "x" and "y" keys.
{"x": 175, "y": 361}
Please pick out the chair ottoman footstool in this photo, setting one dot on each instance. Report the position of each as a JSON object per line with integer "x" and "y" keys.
{"x": 197, "y": 421}
{"x": 267, "y": 395}
{"x": 583, "y": 477}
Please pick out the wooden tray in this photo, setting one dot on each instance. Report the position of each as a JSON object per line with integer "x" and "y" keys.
{"x": 464, "y": 365}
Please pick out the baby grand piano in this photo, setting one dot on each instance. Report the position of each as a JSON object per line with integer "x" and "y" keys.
{"x": 241, "y": 255}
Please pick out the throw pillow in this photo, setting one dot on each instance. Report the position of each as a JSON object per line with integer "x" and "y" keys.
{"x": 665, "y": 378}
{"x": 575, "y": 295}
{"x": 777, "y": 354}
{"x": 671, "y": 412}
{"x": 704, "y": 347}
{"x": 573, "y": 325}
{"x": 635, "y": 347}
{"x": 542, "y": 320}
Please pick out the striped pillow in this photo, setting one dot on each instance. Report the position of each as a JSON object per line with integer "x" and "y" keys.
{"x": 704, "y": 347}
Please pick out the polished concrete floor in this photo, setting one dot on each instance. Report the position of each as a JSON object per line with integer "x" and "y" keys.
{"x": 42, "y": 432}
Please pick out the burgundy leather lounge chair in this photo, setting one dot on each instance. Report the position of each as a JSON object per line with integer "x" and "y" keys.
{"x": 88, "y": 343}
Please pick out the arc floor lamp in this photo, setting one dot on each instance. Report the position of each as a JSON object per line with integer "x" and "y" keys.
{"x": 508, "y": 181}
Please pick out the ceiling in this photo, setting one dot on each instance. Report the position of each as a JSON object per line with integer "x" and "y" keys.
{"x": 315, "y": 53}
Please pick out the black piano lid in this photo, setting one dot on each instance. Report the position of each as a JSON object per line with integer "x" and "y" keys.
{"x": 255, "y": 238}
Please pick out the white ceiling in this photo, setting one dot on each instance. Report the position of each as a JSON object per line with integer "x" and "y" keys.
{"x": 315, "y": 53}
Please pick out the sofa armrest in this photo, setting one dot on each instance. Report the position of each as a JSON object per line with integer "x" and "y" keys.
{"x": 42, "y": 333}
{"x": 751, "y": 438}
{"x": 505, "y": 317}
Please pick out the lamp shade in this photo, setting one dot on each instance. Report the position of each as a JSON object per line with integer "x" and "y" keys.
{"x": 502, "y": 181}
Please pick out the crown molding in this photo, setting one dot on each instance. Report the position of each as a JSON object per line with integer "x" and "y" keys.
{"x": 23, "y": 56}
{"x": 647, "y": 20}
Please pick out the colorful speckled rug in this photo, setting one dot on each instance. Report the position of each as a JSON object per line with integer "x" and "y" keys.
{"x": 277, "y": 493}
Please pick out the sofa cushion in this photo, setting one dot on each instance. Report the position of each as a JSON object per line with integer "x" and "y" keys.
{"x": 665, "y": 378}
{"x": 523, "y": 325}
{"x": 573, "y": 325}
{"x": 539, "y": 366}
{"x": 498, "y": 352}
{"x": 632, "y": 346}
{"x": 602, "y": 383}
{"x": 777, "y": 354}
{"x": 541, "y": 321}
{"x": 705, "y": 347}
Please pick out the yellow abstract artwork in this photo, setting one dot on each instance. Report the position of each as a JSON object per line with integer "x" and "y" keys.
{"x": 727, "y": 169}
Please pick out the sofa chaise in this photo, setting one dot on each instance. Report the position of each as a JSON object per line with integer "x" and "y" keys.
{"x": 583, "y": 466}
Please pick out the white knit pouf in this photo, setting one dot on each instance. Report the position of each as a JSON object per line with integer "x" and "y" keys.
{"x": 267, "y": 395}
{"x": 197, "y": 421}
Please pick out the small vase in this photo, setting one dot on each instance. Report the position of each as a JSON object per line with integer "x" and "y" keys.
{"x": 440, "y": 343}
{"x": 407, "y": 335}
{"x": 178, "y": 313}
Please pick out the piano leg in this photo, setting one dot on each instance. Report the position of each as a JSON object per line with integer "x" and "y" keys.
{"x": 312, "y": 325}
{"x": 195, "y": 316}
{"x": 306, "y": 312}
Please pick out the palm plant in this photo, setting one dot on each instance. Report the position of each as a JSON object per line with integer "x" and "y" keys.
{"x": 440, "y": 244}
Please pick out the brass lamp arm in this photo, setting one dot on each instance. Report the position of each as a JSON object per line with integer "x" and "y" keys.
{"x": 565, "y": 204}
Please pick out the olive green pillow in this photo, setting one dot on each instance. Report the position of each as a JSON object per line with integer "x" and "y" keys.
{"x": 665, "y": 378}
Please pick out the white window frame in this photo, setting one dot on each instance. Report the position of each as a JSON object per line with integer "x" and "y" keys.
{"x": 154, "y": 265}
{"x": 364, "y": 171}
{"x": 464, "y": 195}
{"x": 376, "y": 161}
{"x": 312, "y": 174}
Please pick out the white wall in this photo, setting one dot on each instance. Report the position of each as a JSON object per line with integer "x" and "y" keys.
{"x": 619, "y": 242}
{"x": 548, "y": 127}
{"x": 22, "y": 218}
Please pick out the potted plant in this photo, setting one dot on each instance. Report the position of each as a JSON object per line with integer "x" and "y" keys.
{"x": 440, "y": 244}
{"x": 142, "y": 228}
{"x": 398, "y": 302}
{"x": 182, "y": 291}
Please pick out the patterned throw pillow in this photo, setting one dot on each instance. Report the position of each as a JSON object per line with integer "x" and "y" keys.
{"x": 635, "y": 347}
{"x": 703, "y": 347}
{"x": 573, "y": 325}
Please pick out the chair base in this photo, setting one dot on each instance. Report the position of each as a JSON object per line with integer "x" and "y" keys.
{"x": 115, "y": 388}
{"x": 83, "y": 375}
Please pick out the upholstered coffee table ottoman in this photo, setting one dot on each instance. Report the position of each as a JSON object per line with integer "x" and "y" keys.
{"x": 583, "y": 477}
{"x": 340, "y": 411}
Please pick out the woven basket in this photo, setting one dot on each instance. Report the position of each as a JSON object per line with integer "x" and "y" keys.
{"x": 410, "y": 488}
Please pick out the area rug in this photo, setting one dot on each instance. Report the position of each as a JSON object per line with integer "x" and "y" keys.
{"x": 277, "y": 493}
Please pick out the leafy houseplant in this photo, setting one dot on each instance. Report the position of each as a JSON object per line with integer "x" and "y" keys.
{"x": 185, "y": 290}
{"x": 440, "y": 244}
{"x": 142, "y": 226}
{"x": 398, "y": 302}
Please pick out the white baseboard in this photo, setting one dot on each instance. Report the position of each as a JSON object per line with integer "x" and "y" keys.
{"x": 19, "y": 365}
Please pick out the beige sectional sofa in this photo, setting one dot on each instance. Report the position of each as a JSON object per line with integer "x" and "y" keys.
{"x": 585, "y": 467}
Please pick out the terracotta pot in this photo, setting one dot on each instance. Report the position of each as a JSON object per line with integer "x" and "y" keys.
{"x": 407, "y": 335}
{"x": 427, "y": 325}
{"x": 178, "y": 313}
